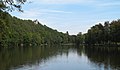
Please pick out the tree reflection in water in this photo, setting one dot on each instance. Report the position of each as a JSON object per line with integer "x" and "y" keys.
{"x": 107, "y": 58}
{"x": 99, "y": 57}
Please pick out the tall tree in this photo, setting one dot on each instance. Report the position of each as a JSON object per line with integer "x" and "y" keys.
{"x": 10, "y": 5}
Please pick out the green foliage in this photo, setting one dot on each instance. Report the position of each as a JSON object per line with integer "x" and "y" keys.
{"x": 15, "y": 32}
{"x": 109, "y": 33}
{"x": 80, "y": 38}
{"x": 10, "y": 5}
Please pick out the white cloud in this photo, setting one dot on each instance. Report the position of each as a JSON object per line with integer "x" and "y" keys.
{"x": 109, "y": 4}
{"x": 55, "y": 11}
{"x": 30, "y": 14}
{"x": 58, "y": 16}
{"x": 61, "y": 1}
{"x": 36, "y": 13}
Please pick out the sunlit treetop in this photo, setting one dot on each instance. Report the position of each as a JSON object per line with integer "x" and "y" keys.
{"x": 11, "y": 5}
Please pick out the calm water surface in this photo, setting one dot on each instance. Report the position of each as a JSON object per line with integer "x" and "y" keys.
{"x": 60, "y": 58}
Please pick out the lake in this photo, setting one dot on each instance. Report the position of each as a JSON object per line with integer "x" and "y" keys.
{"x": 60, "y": 58}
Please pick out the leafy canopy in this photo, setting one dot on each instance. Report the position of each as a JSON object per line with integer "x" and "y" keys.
{"x": 11, "y": 5}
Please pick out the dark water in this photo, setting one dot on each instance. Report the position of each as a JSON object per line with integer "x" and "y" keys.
{"x": 60, "y": 58}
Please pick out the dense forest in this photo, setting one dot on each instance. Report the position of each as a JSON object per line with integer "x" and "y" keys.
{"x": 18, "y": 32}
{"x": 109, "y": 33}
{"x": 15, "y": 31}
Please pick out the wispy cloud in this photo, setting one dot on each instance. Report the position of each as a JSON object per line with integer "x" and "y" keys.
{"x": 36, "y": 13}
{"x": 62, "y": 1}
{"x": 30, "y": 14}
{"x": 71, "y": 15}
{"x": 54, "y": 11}
{"x": 109, "y": 4}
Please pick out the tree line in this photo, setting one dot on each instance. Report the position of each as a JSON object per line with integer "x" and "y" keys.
{"x": 16, "y": 32}
{"x": 109, "y": 33}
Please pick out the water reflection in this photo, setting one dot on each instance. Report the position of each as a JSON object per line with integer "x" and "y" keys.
{"x": 17, "y": 57}
{"x": 104, "y": 58}
{"x": 60, "y": 58}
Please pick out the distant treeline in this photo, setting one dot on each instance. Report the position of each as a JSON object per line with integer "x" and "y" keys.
{"x": 109, "y": 33}
{"x": 18, "y": 32}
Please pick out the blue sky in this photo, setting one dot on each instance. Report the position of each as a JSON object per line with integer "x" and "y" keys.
{"x": 70, "y": 15}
